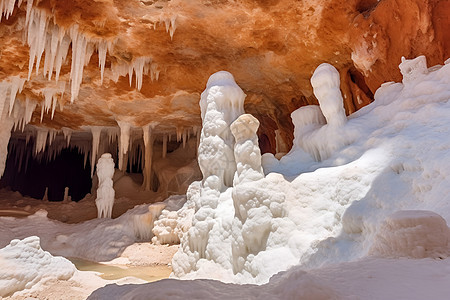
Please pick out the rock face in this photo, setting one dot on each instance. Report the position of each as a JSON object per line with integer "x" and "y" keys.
{"x": 147, "y": 61}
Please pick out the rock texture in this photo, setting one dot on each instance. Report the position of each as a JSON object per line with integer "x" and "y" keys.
{"x": 270, "y": 46}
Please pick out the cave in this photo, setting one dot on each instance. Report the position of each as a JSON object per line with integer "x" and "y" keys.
{"x": 269, "y": 149}
{"x": 32, "y": 176}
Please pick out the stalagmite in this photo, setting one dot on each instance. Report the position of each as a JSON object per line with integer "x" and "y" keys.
{"x": 45, "y": 198}
{"x": 148, "y": 144}
{"x": 105, "y": 191}
{"x": 66, "y": 195}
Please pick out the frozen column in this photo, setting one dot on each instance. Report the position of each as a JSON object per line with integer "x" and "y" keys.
{"x": 252, "y": 221}
{"x": 221, "y": 103}
{"x": 105, "y": 191}
{"x": 246, "y": 150}
{"x": 326, "y": 85}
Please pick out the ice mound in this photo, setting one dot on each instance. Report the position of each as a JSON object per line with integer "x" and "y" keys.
{"x": 414, "y": 234}
{"x": 24, "y": 264}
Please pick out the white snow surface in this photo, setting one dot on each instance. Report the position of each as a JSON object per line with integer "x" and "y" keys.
{"x": 24, "y": 264}
{"x": 390, "y": 156}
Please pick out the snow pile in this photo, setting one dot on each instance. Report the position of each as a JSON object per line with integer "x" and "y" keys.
{"x": 415, "y": 234}
{"x": 24, "y": 264}
{"x": 325, "y": 202}
{"x": 105, "y": 191}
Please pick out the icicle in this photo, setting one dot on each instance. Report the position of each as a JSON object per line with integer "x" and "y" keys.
{"x": 195, "y": 130}
{"x": 16, "y": 86}
{"x": 96, "y": 131}
{"x": 29, "y": 6}
{"x": 164, "y": 148}
{"x": 79, "y": 51}
{"x": 123, "y": 141}
{"x": 154, "y": 72}
{"x": 7, "y": 8}
{"x": 51, "y": 136}
{"x": 85, "y": 153}
{"x": 41, "y": 140}
{"x": 30, "y": 106}
{"x": 27, "y": 137}
{"x": 173, "y": 26}
{"x": 61, "y": 56}
{"x": 67, "y": 132}
{"x": 179, "y": 133}
{"x": 102, "y": 47}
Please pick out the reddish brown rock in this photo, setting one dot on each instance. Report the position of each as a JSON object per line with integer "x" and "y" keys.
{"x": 271, "y": 47}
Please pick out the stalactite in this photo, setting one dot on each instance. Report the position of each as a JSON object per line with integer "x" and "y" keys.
{"x": 124, "y": 141}
{"x": 96, "y": 132}
{"x": 147, "y": 170}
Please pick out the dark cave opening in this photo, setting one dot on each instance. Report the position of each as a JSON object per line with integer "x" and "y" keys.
{"x": 31, "y": 176}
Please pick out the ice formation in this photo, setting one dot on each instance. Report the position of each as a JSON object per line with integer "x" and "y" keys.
{"x": 105, "y": 191}
{"x": 221, "y": 103}
{"x": 329, "y": 210}
{"x": 318, "y": 131}
{"x": 25, "y": 264}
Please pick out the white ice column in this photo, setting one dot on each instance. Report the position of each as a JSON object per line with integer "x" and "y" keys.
{"x": 221, "y": 103}
{"x": 105, "y": 190}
